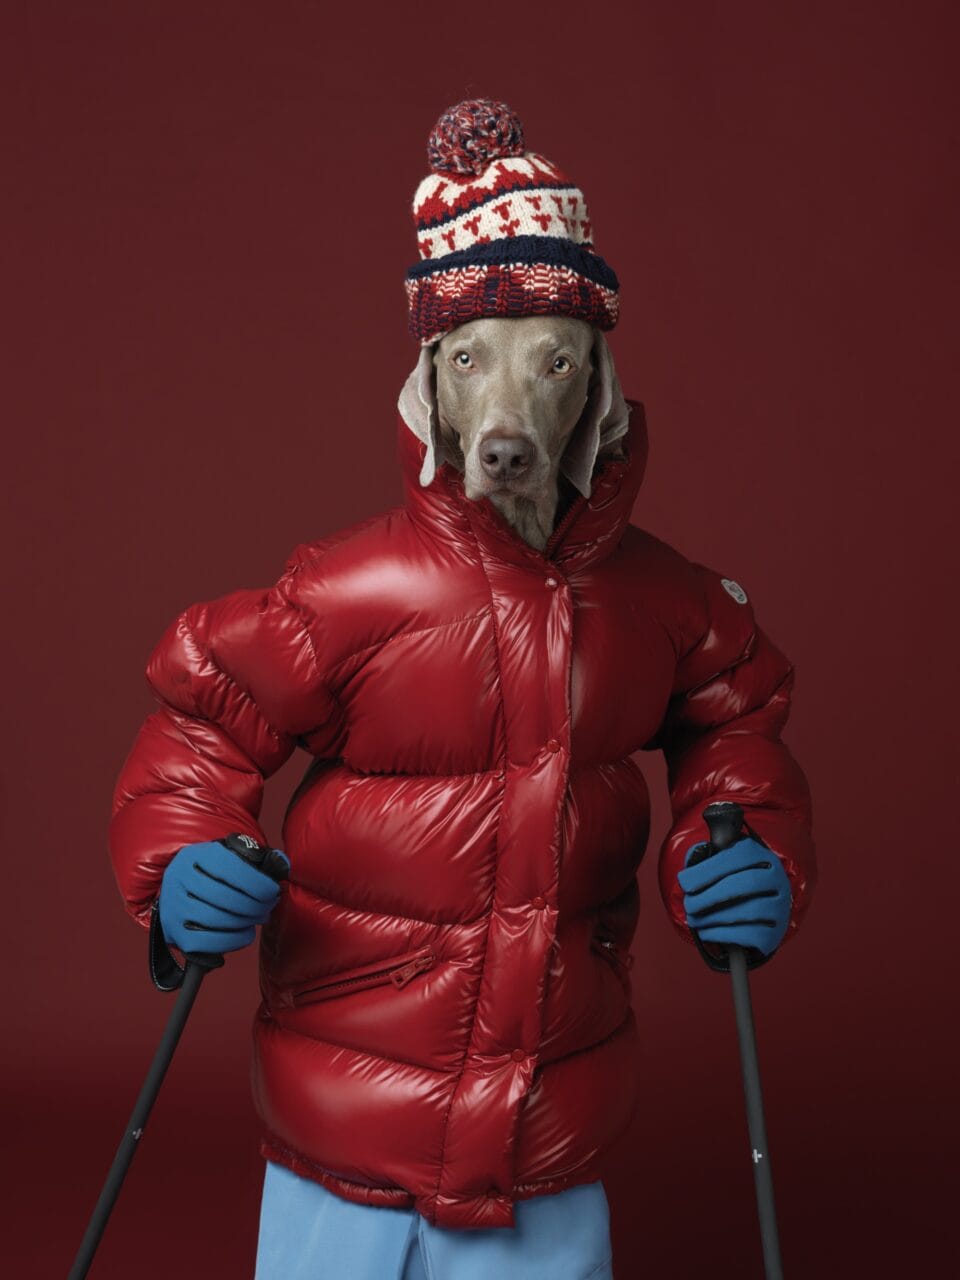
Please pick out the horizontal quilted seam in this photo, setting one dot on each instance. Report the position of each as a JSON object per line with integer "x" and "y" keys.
{"x": 496, "y": 772}
{"x": 743, "y": 656}
{"x": 244, "y": 693}
{"x": 180, "y": 719}
{"x": 364, "y": 1053}
{"x": 759, "y": 703}
{"x": 406, "y": 635}
{"x": 454, "y": 1070}
{"x": 460, "y": 922}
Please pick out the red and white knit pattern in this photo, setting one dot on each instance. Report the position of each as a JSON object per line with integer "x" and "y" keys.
{"x": 514, "y": 196}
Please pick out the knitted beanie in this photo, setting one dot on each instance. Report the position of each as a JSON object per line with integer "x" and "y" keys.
{"x": 501, "y": 231}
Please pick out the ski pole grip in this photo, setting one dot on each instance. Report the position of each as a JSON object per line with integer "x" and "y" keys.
{"x": 725, "y": 822}
{"x": 258, "y": 855}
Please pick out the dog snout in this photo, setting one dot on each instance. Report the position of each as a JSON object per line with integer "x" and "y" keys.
{"x": 504, "y": 456}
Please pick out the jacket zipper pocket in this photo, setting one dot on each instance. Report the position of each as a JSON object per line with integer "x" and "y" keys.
{"x": 398, "y": 971}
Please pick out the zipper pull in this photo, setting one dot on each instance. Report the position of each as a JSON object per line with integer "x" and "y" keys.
{"x": 400, "y": 977}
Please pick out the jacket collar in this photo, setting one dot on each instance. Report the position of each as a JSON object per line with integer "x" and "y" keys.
{"x": 589, "y": 530}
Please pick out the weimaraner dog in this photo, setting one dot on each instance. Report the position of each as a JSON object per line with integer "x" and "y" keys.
{"x": 515, "y": 403}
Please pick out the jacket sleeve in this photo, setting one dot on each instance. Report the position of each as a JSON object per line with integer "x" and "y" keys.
{"x": 239, "y": 687}
{"x": 721, "y": 740}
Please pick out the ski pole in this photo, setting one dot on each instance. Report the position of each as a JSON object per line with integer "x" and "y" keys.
{"x": 726, "y": 824}
{"x": 199, "y": 964}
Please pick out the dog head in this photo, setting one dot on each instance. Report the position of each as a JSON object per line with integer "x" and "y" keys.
{"x": 512, "y": 403}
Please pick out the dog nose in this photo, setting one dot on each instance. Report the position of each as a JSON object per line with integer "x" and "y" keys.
{"x": 503, "y": 457}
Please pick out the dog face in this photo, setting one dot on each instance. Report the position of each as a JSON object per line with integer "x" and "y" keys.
{"x": 509, "y": 394}
{"x": 513, "y": 402}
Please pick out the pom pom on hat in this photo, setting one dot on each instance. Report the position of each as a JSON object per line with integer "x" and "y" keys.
{"x": 472, "y": 134}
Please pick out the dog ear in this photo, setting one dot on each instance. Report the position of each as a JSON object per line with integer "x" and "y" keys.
{"x": 418, "y": 407}
{"x": 605, "y": 418}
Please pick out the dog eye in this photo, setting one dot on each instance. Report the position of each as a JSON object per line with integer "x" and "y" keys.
{"x": 464, "y": 363}
{"x": 564, "y": 363}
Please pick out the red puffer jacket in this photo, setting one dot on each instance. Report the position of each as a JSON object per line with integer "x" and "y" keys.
{"x": 446, "y": 1018}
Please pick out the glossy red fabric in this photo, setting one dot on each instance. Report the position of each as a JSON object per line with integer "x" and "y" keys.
{"x": 446, "y": 1016}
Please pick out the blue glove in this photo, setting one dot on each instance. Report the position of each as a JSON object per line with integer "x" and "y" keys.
{"x": 741, "y": 895}
{"x": 212, "y": 900}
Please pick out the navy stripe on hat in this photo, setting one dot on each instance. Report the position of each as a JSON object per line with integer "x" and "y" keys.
{"x": 552, "y": 250}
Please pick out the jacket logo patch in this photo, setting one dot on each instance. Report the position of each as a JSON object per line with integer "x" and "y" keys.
{"x": 734, "y": 589}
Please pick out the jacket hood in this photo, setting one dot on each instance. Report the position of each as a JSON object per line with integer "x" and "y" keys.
{"x": 589, "y": 530}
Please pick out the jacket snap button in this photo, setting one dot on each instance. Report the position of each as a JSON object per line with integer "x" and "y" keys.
{"x": 553, "y": 745}
{"x": 539, "y": 902}
{"x": 552, "y": 582}
{"x": 518, "y": 1055}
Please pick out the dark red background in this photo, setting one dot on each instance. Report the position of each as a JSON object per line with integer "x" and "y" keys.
{"x": 208, "y": 227}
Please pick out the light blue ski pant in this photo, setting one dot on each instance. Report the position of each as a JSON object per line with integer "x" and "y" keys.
{"x": 310, "y": 1233}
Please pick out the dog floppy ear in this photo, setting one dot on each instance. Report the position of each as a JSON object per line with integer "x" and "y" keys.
{"x": 418, "y": 407}
{"x": 604, "y": 419}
